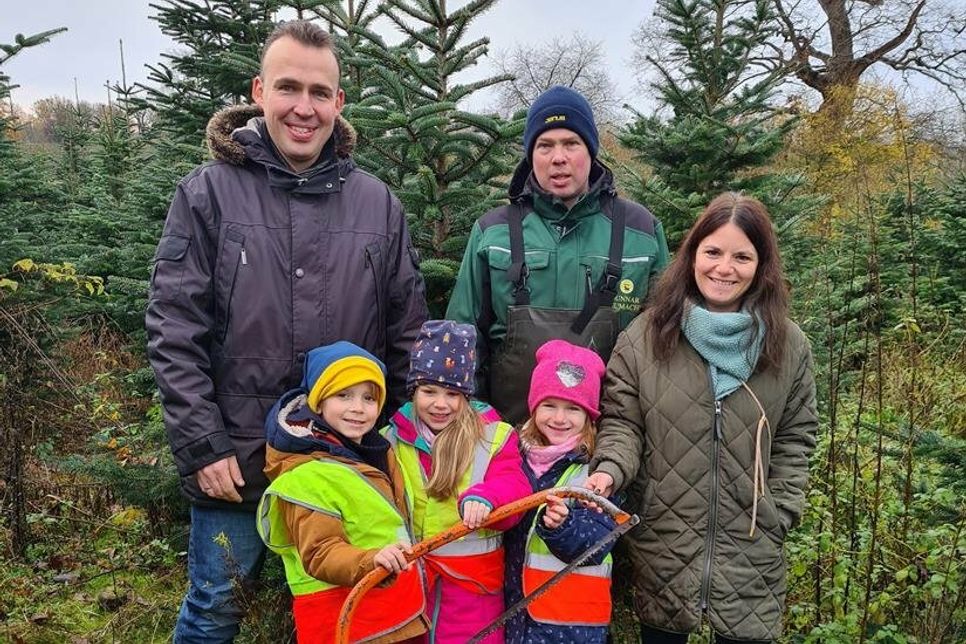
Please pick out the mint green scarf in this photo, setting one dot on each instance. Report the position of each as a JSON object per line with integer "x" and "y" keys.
{"x": 727, "y": 342}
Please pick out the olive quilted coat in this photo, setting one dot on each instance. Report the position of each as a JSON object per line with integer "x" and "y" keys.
{"x": 687, "y": 464}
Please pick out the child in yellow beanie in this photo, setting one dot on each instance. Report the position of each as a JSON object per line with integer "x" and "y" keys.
{"x": 336, "y": 506}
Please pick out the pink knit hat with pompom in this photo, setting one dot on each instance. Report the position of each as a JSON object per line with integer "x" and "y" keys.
{"x": 568, "y": 372}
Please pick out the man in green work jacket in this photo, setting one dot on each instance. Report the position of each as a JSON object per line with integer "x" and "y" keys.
{"x": 567, "y": 258}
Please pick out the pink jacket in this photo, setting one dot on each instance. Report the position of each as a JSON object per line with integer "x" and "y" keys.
{"x": 504, "y": 482}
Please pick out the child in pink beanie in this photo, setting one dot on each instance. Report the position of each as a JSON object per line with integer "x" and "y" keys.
{"x": 557, "y": 442}
{"x": 567, "y": 372}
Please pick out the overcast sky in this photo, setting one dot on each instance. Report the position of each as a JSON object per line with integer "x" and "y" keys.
{"x": 89, "y": 50}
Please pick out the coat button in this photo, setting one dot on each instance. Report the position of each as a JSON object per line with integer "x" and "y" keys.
{"x": 328, "y": 185}
{"x": 299, "y": 272}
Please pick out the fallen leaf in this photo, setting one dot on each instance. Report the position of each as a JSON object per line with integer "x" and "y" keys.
{"x": 66, "y": 577}
{"x": 110, "y": 601}
{"x": 40, "y": 618}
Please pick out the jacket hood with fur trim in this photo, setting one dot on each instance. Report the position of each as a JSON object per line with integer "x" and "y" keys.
{"x": 223, "y": 147}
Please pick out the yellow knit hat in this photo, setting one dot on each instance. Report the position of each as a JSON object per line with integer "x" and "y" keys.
{"x": 334, "y": 367}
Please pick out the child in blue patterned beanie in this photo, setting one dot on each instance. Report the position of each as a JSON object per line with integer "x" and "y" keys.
{"x": 460, "y": 462}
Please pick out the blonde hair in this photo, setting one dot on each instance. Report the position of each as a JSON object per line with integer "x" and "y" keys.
{"x": 453, "y": 451}
{"x": 530, "y": 435}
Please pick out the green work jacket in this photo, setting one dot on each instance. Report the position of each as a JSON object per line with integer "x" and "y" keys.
{"x": 566, "y": 254}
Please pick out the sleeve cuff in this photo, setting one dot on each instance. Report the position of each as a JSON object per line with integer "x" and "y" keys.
{"x": 546, "y": 533}
{"x": 205, "y": 451}
{"x": 473, "y": 497}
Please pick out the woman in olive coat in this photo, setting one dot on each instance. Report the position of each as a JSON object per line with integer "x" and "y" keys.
{"x": 708, "y": 422}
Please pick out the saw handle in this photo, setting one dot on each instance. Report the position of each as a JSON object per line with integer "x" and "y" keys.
{"x": 379, "y": 574}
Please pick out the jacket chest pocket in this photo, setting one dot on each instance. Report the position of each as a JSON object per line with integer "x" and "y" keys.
{"x": 537, "y": 280}
{"x": 631, "y": 291}
{"x": 230, "y": 257}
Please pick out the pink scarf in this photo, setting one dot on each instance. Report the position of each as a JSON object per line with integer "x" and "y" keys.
{"x": 542, "y": 457}
{"x": 424, "y": 432}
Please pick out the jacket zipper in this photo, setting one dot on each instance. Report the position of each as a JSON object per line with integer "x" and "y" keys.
{"x": 713, "y": 511}
{"x": 375, "y": 278}
{"x": 244, "y": 257}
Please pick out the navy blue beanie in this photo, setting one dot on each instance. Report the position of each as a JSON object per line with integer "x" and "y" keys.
{"x": 561, "y": 107}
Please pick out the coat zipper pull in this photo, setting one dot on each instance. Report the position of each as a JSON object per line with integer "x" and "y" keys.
{"x": 717, "y": 420}
{"x": 244, "y": 257}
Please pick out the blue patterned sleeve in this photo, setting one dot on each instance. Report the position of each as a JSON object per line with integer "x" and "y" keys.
{"x": 580, "y": 530}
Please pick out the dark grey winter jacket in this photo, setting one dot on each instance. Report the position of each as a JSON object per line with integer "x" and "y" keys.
{"x": 256, "y": 266}
{"x": 687, "y": 464}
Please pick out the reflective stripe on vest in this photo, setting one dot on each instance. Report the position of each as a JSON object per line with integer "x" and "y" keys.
{"x": 369, "y": 520}
{"x": 581, "y": 598}
{"x": 475, "y": 562}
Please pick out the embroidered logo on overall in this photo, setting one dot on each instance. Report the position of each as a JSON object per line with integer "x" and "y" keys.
{"x": 626, "y": 286}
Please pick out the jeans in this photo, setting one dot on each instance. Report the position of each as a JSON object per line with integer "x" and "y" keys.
{"x": 225, "y": 554}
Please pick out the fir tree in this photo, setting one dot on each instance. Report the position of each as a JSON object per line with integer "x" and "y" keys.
{"x": 929, "y": 228}
{"x": 352, "y": 25}
{"x": 23, "y": 184}
{"x": 447, "y": 165}
{"x": 723, "y": 127}
{"x": 117, "y": 145}
{"x": 20, "y": 42}
{"x": 220, "y": 41}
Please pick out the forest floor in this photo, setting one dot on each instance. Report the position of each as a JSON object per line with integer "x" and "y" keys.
{"x": 94, "y": 570}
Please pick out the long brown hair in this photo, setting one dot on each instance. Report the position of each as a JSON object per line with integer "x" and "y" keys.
{"x": 453, "y": 451}
{"x": 766, "y": 298}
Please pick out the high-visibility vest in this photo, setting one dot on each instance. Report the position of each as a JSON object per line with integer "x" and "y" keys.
{"x": 369, "y": 520}
{"x": 581, "y": 598}
{"x": 474, "y": 562}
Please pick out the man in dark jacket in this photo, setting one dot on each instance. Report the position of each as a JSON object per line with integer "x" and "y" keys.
{"x": 566, "y": 259}
{"x": 278, "y": 246}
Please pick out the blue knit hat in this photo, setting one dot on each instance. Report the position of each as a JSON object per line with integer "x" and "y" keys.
{"x": 331, "y": 368}
{"x": 561, "y": 107}
{"x": 444, "y": 354}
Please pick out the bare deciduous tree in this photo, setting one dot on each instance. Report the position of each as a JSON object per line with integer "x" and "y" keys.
{"x": 55, "y": 115}
{"x": 577, "y": 63}
{"x": 830, "y": 44}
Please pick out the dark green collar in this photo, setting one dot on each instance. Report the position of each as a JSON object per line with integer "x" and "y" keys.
{"x": 553, "y": 209}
